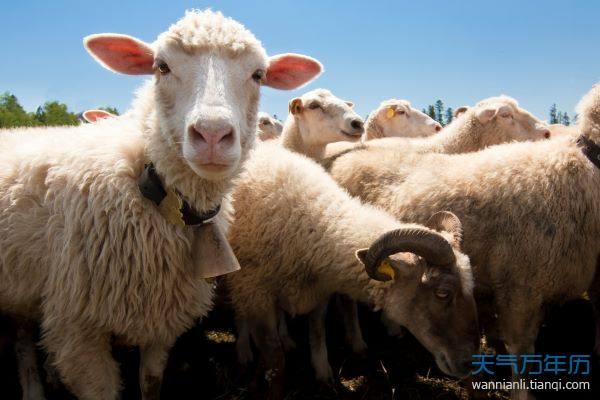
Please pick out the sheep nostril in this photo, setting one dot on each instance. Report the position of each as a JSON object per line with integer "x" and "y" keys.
{"x": 228, "y": 138}
{"x": 356, "y": 124}
{"x": 438, "y": 128}
{"x": 547, "y": 134}
{"x": 195, "y": 134}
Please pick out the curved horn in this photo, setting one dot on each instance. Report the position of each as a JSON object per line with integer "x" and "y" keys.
{"x": 423, "y": 242}
{"x": 448, "y": 222}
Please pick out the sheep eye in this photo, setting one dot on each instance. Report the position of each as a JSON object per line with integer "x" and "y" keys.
{"x": 258, "y": 75}
{"x": 506, "y": 115}
{"x": 442, "y": 294}
{"x": 400, "y": 112}
{"x": 163, "y": 68}
{"x": 313, "y": 106}
{"x": 265, "y": 122}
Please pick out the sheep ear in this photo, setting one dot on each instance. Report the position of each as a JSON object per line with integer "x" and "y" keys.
{"x": 290, "y": 71}
{"x": 460, "y": 110}
{"x": 349, "y": 104}
{"x": 95, "y": 115}
{"x": 121, "y": 53}
{"x": 485, "y": 115}
{"x": 295, "y": 106}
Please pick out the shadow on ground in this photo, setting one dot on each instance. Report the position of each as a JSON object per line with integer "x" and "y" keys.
{"x": 203, "y": 363}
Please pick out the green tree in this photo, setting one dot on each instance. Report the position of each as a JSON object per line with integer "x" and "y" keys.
{"x": 431, "y": 111}
{"x": 112, "y": 110}
{"x": 449, "y": 115}
{"x": 53, "y": 113}
{"x": 553, "y": 114}
{"x": 12, "y": 113}
{"x": 439, "y": 111}
{"x": 565, "y": 119}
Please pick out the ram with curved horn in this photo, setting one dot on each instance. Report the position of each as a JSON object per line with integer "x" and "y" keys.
{"x": 296, "y": 233}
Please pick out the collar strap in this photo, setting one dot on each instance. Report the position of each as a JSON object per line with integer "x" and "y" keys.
{"x": 590, "y": 149}
{"x": 181, "y": 213}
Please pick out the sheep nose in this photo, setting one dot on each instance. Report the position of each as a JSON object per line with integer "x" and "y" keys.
{"x": 438, "y": 127}
{"x": 546, "y": 133}
{"x": 212, "y": 133}
{"x": 357, "y": 124}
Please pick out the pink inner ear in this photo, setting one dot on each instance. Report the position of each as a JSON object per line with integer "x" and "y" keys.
{"x": 95, "y": 115}
{"x": 289, "y": 71}
{"x": 121, "y": 53}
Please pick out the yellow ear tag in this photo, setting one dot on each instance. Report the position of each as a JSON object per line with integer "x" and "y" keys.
{"x": 386, "y": 269}
{"x": 390, "y": 112}
{"x": 170, "y": 208}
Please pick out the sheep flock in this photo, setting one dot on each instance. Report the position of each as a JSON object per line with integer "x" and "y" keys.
{"x": 195, "y": 247}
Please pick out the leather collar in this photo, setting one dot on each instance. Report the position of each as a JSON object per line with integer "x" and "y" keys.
{"x": 590, "y": 149}
{"x": 151, "y": 188}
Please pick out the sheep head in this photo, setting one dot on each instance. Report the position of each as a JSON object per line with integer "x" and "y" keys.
{"x": 397, "y": 118}
{"x": 323, "y": 118}
{"x": 207, "y": 71}
{"x": 268, "y": 127}
{"x": 501, "y": 120}
{"x": 429, "y": 288}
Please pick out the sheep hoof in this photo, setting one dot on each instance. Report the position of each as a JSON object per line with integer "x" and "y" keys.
{"x": 325, "y": 376}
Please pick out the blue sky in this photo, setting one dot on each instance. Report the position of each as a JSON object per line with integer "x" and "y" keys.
{"x": 539, "y": 52}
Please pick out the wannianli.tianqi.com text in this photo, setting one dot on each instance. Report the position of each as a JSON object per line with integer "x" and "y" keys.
{"x": 531, "y": 384}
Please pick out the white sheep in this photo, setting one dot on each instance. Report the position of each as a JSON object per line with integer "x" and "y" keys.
{"x": 318, "y": 118}
{"x": 268, "y": 127}
{"x": 397, "y": 118}
{"x": 530, "y": 211}
{"x": 90, "y": 255}
{"x": 295, "y": 232}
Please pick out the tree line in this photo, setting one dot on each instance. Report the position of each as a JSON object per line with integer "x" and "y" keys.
{"x": 54, "y": 113}
{"x": 51, "y": 113}
{"x": 445, "y": 115}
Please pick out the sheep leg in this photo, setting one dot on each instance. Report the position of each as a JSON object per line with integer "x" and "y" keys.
{"x": 153, "y": 359}
{"x": 284, "y": 335}
{"x": 242, "y": 345}
{"x": 519, "y": 330}
{"x": 29, "y": 375}
{"x": 318, "y": 344}
{"x": 594, "y": 293}
{"x": 264, "y": 333}
{"x": 353, "y": 334}
{"x": 85, "y": 364}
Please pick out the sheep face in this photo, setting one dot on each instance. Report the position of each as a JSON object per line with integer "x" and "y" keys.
{"x": 429, "y": 290}
{"x": 268, "y": 127}
{"x": 207, "y": 70}
{"x": 397, "y": 118}
{"x": 437, "y": 306}
{"x": 323, "y": 118}
{"x": 504, "y": 121}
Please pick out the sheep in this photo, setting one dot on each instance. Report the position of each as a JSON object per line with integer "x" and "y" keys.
{"x": 106, "y": 227}
{"x": 397, "y": 118}
{"x": 318, "y": 118}
{"x": 530, "y": 211}
{"x": 268, "y": 127}
{"x": 296, "y": 244}
{"x": 491, "y": 121}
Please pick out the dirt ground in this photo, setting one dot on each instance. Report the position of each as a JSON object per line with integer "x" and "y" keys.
{"x": 203, "y": 363}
